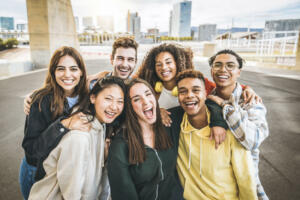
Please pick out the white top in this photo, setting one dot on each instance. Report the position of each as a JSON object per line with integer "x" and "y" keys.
{"x": 167, "y": 100}
{"x": 75, "y": 168}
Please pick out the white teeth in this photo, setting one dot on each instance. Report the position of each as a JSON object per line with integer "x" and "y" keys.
{"x": 165, "y": 73}
{"x": 190, "y": 103}
{"x": 110, "y": 113}
{"x": 68, "y": 81}
{"x": 223, "y": 76}
{"x": 123, "y": 70}
{"x": 147, "y": 109}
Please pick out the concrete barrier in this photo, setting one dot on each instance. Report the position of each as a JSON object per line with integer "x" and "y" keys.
{"x": 11, "y": 68}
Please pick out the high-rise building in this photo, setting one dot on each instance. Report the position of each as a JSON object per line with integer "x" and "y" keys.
{"x": 207, "y": 32}
{"x": 170, "y": 23}
{"x": 22, "y": 27}
{"x": 7, "y": 23}
{"x": 88, "y": 22}
{"x": 283, "y": 25}
{"x": 133, "y": 23}
{"x": 76, "y": 23}
{"x": 181, "y": 19}
{"x": 105, "y": 23}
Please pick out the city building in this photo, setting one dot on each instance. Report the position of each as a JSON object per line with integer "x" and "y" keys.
{"x": 133, "y": 23}
{"x": 7, "y": 23}
{"x": 88, "y": 22}
{"x": 180, "y": 17}
{"x": 76, "y": 19}
{"x": 282, "y": 25}
{"x": 170, "y": 23}
{"x": 207, "y": 32}
{"x": 22, "y": 27}
{"x": 105, "y": 23}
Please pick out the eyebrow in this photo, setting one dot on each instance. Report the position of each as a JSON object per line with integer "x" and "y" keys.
{"x": 68, "y": 66}
{"x": 139, "y": 95}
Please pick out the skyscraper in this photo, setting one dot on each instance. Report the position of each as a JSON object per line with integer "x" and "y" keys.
{"x": 133, "y": 23}
{"x": 7, "y": 23}
{"x": 181, "y": 19}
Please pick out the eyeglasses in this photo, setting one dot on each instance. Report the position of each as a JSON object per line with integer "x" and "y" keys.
{"x": 229, "y": 66}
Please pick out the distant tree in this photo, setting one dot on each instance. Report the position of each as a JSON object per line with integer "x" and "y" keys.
{"x": 11, "y": 42}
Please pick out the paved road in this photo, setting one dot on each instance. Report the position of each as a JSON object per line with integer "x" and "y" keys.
{"x": 280, "y": 153}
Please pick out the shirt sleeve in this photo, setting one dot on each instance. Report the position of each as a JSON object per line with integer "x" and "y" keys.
{"x": 72, "y": 165}
{"x": 120, "y": 180}
{"x": 209, "y": 86}
{"x": 248, "y": 123}
{"x": 243, "y": 170}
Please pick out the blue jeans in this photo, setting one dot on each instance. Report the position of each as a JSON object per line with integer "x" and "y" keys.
{"x": 26, "y": 177}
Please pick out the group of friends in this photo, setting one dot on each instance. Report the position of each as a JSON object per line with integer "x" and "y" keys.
{"x": 164, "y": 132}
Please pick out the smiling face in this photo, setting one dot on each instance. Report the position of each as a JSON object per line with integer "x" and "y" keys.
{"x": 222, "y": 76}
{"x": 143, "y": 103}
{"x": 108, "y": 103}
{"x": 192, "y": 95}
{"x": 165, "y": 66}
{"x": 67, "y": 74}
{"x": 123, "y": 62}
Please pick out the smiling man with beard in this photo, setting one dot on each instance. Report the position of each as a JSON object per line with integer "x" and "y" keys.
{"x": 205, "y": 172}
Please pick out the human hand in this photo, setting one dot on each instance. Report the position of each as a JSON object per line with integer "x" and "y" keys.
{"x": 216, "y": 99}
{"x": 166, "y": 120}
{"x": 27, "y": 103}
{"x": 78, "y": 121}
{"x": 218, "y": 134}
{"x": 250, "y": 96}
{"x": 96, "y": 76}
{"x": 106, "y": 147}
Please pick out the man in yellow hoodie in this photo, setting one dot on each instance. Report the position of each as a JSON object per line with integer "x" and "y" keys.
{"x": 206, "y": 172}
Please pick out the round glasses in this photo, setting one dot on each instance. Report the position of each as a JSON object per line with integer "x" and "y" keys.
{"x": 229, "y": 66}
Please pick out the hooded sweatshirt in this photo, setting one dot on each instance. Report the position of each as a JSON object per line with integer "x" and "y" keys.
{"x": 207, "y": 173}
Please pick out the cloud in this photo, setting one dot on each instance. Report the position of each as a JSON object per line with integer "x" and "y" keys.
{"x": 155, "y": 13}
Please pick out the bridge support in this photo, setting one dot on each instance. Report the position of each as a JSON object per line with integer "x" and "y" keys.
{"x": 298, "y": 52}
{"x": 51, "y": 24}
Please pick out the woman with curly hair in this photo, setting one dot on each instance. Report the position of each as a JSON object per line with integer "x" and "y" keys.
{"x": 160, "y": 67}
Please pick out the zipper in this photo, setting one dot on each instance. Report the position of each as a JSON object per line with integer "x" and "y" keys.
{"x": 162, "y": 174}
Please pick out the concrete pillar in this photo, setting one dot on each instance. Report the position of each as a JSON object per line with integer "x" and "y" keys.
{"x": 298, "y": 52}
{"x": 51, "y": 25}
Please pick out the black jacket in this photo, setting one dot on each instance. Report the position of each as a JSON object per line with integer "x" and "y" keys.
{"x": 41, "y": 132}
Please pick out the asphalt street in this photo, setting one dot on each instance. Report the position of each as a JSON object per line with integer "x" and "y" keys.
{"x": 280, "y": 153}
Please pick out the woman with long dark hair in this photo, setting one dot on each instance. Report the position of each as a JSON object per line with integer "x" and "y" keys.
{"x": 65, "y": 85}
{"x": 142, "y": 158}
{"x": 75, "y": 167}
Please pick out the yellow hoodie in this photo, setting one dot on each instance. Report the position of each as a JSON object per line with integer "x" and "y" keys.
{"x": 207, "y": 173}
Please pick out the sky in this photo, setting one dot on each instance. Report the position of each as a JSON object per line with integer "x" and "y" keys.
{"x": 155, "y": 13}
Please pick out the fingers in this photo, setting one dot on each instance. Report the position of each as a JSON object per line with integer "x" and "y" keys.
{"x": 166, "y": 120}
{"x": 27, "y": 102}
{"x": 217, "y": 141}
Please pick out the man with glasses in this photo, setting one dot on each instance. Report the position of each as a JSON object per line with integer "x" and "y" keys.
{"x": 246, "y": 121}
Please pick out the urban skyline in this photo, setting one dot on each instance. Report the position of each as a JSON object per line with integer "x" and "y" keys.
{"x": 155, "y": 14}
